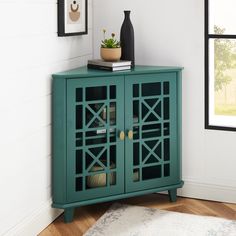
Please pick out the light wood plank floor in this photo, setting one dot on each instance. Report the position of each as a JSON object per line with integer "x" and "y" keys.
{"x": 86, "y": 216}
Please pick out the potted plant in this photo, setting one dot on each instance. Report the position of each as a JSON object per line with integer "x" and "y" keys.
{"x": 110, "y": 48}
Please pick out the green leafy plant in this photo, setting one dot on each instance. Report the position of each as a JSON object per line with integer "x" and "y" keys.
{"x": 109, "y": 42}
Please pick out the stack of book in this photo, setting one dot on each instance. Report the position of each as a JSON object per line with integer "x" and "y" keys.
{"x": 110, "y": 66}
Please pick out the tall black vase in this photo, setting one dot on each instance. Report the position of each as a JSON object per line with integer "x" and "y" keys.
{"x": 127, "y": 39}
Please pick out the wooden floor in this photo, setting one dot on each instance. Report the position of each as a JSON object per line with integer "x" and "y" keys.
{"x": 86, "y": 216}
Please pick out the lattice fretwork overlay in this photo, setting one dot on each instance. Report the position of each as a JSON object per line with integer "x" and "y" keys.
{"x": 95, "y": 154}
{"x": 151, "y": 127}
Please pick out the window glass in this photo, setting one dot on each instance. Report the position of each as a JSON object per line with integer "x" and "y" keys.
{"x": 222, "y": 15}
{"x": 221, "y": 64}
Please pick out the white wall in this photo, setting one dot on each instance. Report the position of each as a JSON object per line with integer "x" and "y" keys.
{"x": 172, "y": 33}
{"x": 30, "y": 52}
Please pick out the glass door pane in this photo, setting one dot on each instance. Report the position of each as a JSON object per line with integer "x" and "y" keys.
{"x": 95, "y": 152}
{"x": 151, "y": 155}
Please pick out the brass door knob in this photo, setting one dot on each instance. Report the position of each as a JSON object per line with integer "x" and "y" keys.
{"x": 122, "y": 135}
{"x": 130, "y": 134}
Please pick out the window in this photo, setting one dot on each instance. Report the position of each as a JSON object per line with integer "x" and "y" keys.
{"x": 220, "y": 64}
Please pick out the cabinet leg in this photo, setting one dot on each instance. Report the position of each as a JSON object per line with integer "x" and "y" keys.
{"x": 173, "y": 195}
{"x": 68, "y": 215}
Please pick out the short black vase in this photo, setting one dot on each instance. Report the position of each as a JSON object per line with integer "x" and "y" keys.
{"x": 127, "y": 39}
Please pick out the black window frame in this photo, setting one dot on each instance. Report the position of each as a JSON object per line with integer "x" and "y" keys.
{"x": 209, "y": 36}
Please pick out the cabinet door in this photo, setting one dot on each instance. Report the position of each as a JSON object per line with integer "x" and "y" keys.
{"x": 152, "y": 154}
{"x": 95, "y": 154}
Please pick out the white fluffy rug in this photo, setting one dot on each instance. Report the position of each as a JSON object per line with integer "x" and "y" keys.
{"x": 126, "y": 220}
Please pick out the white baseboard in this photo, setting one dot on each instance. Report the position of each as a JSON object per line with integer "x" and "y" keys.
{"x": 36, "y": 222}
{"x": 211, "y": 192}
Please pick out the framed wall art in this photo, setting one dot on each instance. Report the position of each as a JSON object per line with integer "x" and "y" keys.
{"x": 72, "y": 17}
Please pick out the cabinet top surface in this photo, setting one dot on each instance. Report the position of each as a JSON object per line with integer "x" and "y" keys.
{"x": 85, "y": 72}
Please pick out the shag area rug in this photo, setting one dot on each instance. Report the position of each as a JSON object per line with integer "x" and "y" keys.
{"x": 127, "y": 220}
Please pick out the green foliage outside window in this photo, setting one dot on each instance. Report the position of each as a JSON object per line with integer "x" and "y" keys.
{"x": 224, "y": 59}
{"x": 225, "y": 65}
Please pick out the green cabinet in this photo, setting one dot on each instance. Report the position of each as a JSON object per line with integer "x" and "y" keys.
{"x": 115, "y": 135}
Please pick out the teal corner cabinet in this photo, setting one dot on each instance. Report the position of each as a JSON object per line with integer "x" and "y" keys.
{"x": 115, "y": 135}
